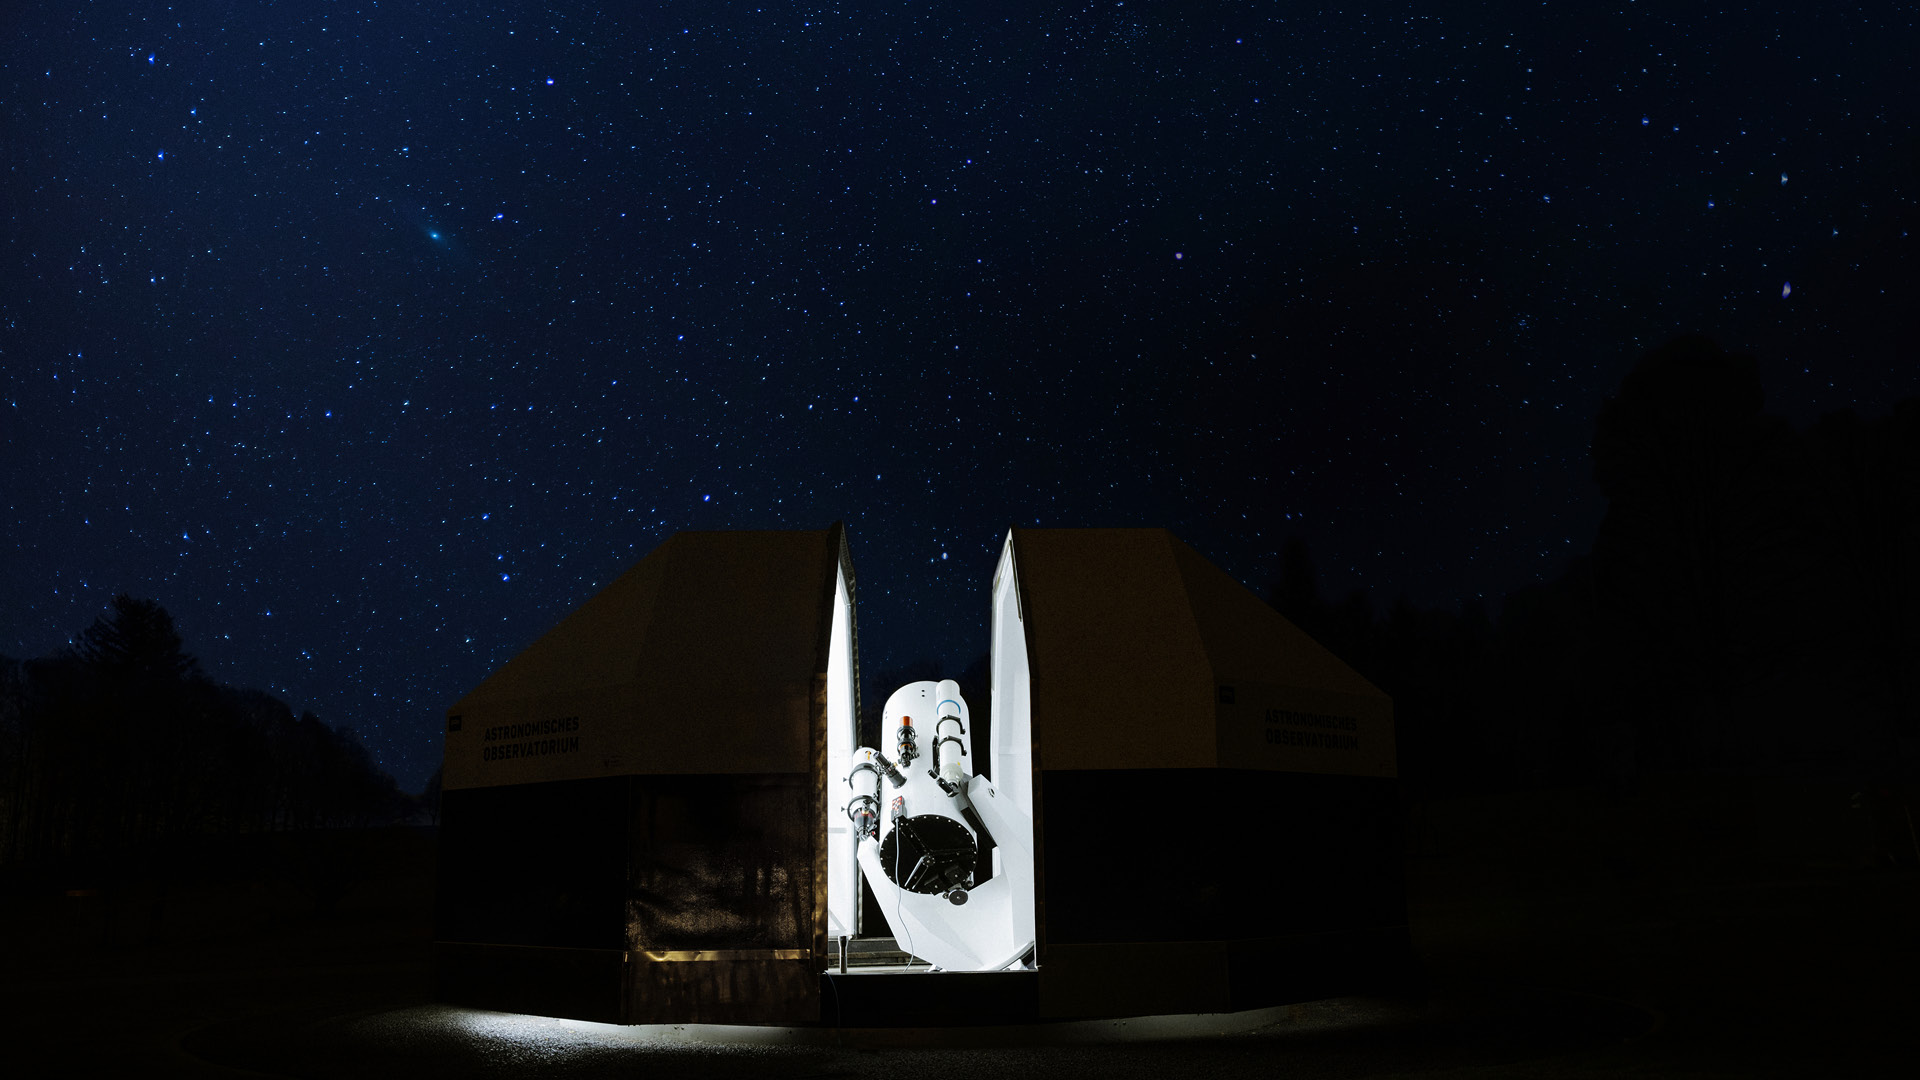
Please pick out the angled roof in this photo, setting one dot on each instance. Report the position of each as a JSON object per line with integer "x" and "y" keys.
{"x": 702, "y": 658}
{"x": 1145, "y": 655}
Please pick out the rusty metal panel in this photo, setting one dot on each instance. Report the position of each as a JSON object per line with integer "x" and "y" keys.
{"x": 720, "y": 863}
{"x": 724, "y": 900}
{"x": 817, "y": 824}
{"x": 722, "y": 905}
{"x": 742, "y": 989}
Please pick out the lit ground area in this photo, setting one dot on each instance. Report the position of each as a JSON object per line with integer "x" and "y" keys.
{"x": 1697, "y": 931}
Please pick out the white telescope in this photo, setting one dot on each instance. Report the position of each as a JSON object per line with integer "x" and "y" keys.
{"x": 919, "y": 818}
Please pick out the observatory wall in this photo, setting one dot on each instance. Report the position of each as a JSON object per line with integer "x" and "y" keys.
{"x": 1216, "y": 806}
{"x": 631, "y": 829}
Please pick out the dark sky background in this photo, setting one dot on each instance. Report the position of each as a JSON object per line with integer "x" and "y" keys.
{"x": 370, "y": 339}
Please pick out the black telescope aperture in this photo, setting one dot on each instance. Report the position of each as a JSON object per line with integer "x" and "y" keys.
{"x": 933, "y": 854}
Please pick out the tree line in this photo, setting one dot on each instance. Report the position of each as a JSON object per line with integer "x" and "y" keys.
{"x": 120, "y": 743}
{"x": 1751, "y": 604}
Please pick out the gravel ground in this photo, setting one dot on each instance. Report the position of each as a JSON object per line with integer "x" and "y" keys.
{"x": 1543, "y": 966}
{"x": 1347, "y": 1037}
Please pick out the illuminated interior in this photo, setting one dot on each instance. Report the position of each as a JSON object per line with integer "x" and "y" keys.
{"x": 1013, "y": 736}
{"x": 843, "y": 878}
{"x": 906, "y": 819}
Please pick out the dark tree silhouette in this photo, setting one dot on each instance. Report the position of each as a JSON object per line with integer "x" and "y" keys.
{"x": 1537, "y": 694}
{"x": 120, "y": 746}
{"x": 1698, "y": 553}
{"x": 1864, "y": 480}
{"x": 430, "y": 795}
{"x": 1752, "y": 602}
{"x": 138, "y": 644}
{"x": 1297, "y": 594}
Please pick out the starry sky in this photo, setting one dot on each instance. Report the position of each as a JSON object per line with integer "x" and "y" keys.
{"x": 371, "y": 338}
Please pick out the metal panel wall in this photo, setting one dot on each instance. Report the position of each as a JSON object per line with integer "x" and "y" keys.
{"x": 1216, "y": 819}
{"x": 668, "y": 864}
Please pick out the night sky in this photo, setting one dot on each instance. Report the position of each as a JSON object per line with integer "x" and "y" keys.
{"x": 372, "y": 338}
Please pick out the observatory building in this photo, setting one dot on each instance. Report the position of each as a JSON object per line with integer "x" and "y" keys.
{"x": 1173, "y": 801}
